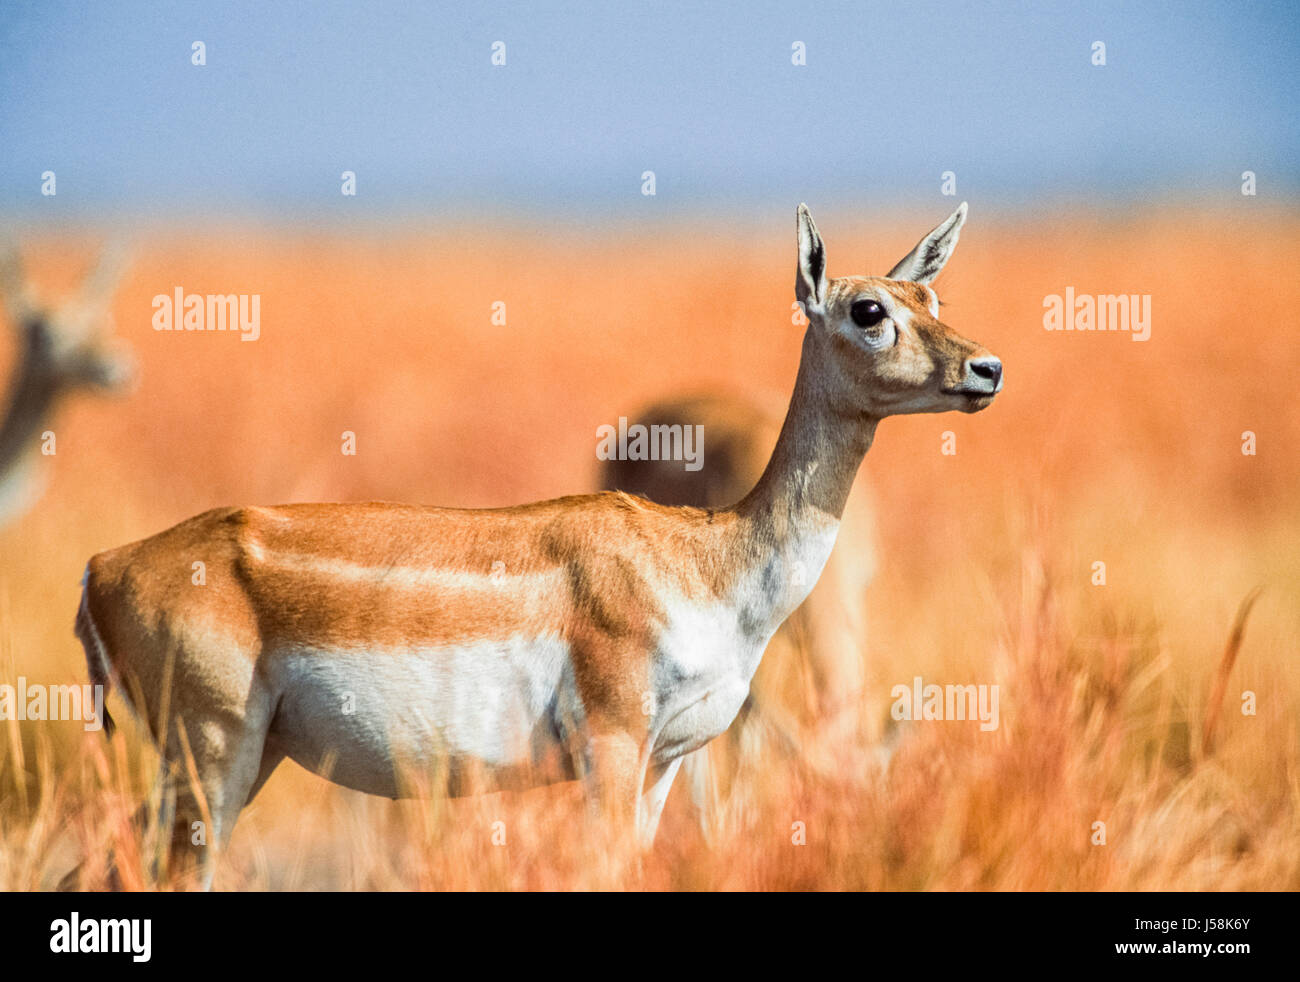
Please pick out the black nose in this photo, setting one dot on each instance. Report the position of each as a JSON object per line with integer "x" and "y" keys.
{"x": 989, "y": 368}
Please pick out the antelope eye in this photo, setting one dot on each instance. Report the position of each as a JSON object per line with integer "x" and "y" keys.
{"x": 866, "y": 313}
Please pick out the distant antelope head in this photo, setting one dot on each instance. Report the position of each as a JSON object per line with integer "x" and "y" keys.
{"x": 59, "y": 351}
{"x": 886, "y": 351}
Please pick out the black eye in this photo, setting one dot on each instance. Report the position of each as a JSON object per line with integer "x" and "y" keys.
{"x": 866, "y": 313}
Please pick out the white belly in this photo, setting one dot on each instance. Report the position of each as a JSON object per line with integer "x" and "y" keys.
{"x": 373, "y": 719}
{"x": 378, "y": 719}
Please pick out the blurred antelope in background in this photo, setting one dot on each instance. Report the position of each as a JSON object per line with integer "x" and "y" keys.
{"x": 599, "y": 636}
{"x": 59, "y": 351}
{"x": 819, "y": 653}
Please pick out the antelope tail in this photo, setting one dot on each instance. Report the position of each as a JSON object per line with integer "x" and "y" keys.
{"x": 97, "y": 663}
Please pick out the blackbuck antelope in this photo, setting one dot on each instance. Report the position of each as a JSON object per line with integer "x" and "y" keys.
{"x": 809, "y": 691}
{"x": 59, "y": 351}
{"x": 599, "y": 636}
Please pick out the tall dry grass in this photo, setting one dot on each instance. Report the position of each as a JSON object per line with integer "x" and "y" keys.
{"x": 1100, "y": 449}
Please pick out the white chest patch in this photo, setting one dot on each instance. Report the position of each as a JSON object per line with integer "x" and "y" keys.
{"x": 707, "y": 656}
{"x": 700, "y": 675}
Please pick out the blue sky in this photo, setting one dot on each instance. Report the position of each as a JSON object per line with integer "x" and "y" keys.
{"x": 893, "y": 94}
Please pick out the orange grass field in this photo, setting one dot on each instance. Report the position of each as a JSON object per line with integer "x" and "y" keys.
{"x": 1100, "y": 449}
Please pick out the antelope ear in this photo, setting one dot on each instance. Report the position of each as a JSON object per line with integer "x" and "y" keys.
{"x": 925, "y": 262}
{"x": 810, "y": 277}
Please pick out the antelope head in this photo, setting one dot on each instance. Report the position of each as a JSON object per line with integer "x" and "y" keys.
{"x": 60, "y": 350}
{"x": 72, "y": 345}
{"x": 885, "y": 350}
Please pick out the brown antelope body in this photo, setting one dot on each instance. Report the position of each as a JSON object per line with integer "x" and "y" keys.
{"x": 600, "y": 635}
